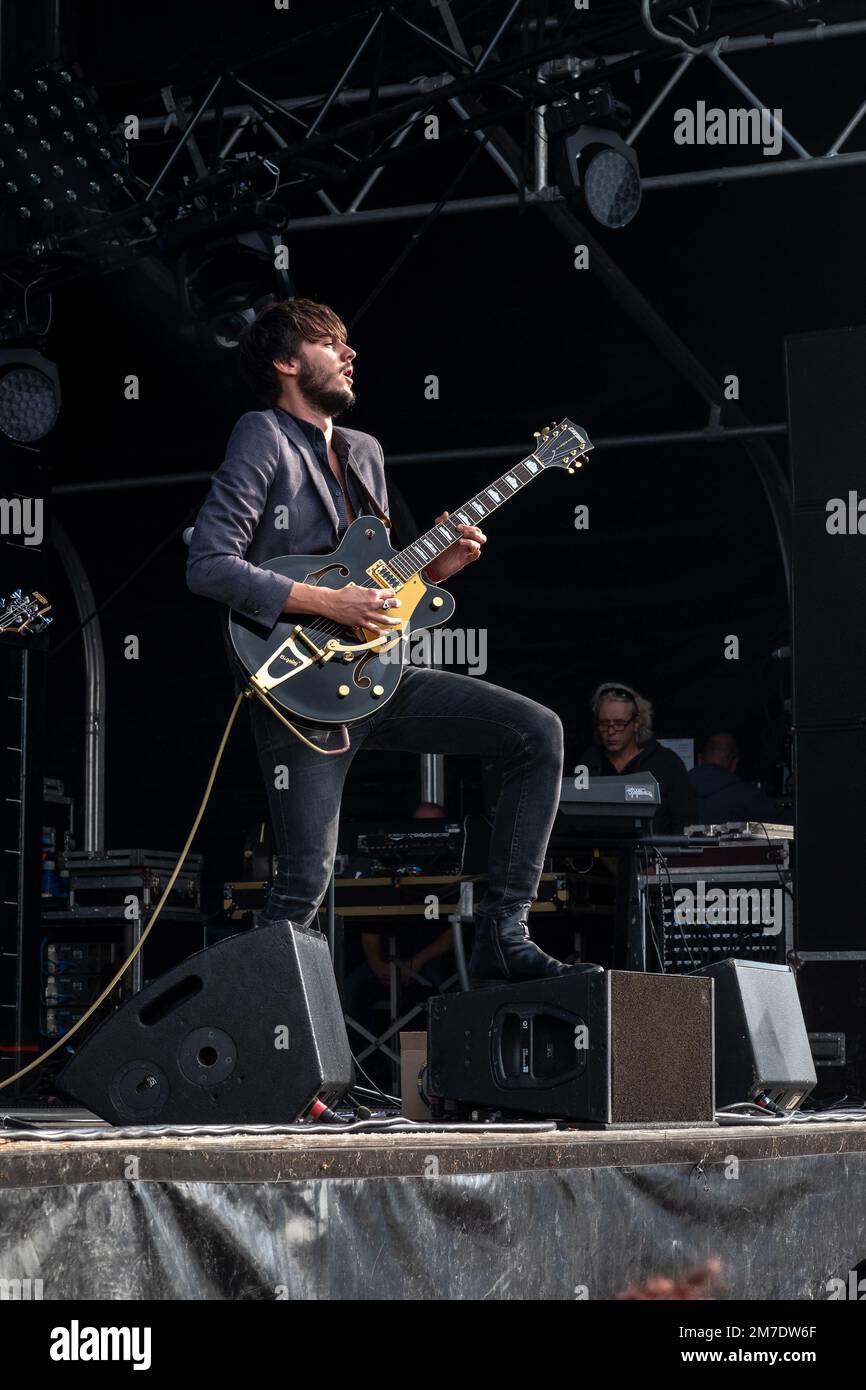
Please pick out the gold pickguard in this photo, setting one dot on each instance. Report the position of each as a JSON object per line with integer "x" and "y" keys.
{"x": 410, "y": 595}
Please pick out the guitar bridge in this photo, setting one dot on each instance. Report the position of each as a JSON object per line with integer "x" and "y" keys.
{"x": 308, "y": 642}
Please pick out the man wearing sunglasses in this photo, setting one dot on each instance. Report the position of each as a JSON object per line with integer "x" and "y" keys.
{"x": 625, "y": 743}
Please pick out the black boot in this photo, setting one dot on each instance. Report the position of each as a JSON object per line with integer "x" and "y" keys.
{"x": 503, "y": 953}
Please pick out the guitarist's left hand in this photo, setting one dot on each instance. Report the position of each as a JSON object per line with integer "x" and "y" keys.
{"x": 458, "y": 555}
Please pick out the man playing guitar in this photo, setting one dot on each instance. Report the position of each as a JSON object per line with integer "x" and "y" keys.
{"x": 291, "y": 483}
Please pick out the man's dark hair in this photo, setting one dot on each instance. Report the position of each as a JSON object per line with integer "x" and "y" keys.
{"x": 276, "y": 333}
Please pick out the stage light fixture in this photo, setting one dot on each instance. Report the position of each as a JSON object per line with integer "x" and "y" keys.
{"x": 611, "y": 183}
{"x": 232, "y": 317}
{"x": 223, "y": 286}
{"x": 29, "y": 395}
{"x": 594, "y": 167}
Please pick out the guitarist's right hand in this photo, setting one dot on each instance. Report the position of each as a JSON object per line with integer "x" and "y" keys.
{"x": 353, "y": 606}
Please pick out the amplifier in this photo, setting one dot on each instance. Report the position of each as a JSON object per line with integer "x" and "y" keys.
{"x": 58, "y": 1020}
{"x": 78, "y": 957}
{"x": 408, "y": 847}
{"x": 691, "y": 908}
{"x": 617, "y": 1048}
{"x": 75, "y": 990}
{"x": 73, "y": 974}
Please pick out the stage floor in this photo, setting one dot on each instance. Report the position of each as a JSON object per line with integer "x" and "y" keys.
{"x": 462, "y": 1214}
{"x": 293, "y": 1157}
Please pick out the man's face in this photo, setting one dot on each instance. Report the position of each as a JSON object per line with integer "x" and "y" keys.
{"x": 616, "y": 725}
{"x": 324, "y": 374}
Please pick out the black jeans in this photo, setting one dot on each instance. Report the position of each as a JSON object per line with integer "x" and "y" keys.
{"x": 433, "y": 711}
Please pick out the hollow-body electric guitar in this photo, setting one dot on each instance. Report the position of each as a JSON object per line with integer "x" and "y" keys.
{"x": 323, "y": 674}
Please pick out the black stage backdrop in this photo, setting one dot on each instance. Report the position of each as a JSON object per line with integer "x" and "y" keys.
{"x": 680, "y": 551}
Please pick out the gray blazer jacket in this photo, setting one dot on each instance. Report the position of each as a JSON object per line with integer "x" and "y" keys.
{"x": 269, "y": 498}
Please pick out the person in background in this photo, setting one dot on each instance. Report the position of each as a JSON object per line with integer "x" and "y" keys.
{"x": 624, "y": 743}
{"x": 719, "y": 793}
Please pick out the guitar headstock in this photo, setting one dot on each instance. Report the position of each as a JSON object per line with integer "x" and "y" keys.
{"x": 562, "y": 445}
{"x": 23, "y": 613}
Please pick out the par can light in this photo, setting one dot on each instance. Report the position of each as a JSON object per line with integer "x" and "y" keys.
{"x": 595, "y": 169}
{"x": 611, "y": 187}
{"x": 29, "y": 396}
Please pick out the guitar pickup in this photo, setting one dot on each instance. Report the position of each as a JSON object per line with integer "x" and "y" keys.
{"x": 384, "y": 576}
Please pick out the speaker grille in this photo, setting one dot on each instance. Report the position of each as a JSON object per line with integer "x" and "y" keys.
{"x": 661, "y": 1048}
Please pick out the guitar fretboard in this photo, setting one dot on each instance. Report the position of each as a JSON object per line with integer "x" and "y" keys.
{"x": 410, "y": 561}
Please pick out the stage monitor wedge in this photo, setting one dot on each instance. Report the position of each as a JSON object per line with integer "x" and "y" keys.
{"x": 249, "y": 1031}
{"x": 761, "y": 1045}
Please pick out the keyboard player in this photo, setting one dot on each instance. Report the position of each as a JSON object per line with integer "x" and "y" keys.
{"x": 624, "y": 744}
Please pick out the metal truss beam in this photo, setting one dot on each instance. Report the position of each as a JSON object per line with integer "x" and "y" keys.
{"x": 437, "y": 89}
{"x": 712, "y": 52}
{"x": 710, "y": 435}
{"x": 497, "y": 202}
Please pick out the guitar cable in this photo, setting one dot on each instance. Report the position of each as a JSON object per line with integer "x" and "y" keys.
{"x": 269, "y": 704}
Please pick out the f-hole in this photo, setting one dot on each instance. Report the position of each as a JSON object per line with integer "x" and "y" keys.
{"x": 363, "y": 681}
{"x": 315, "y": 575}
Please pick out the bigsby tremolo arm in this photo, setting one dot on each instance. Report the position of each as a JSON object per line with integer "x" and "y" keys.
{"x": 266, "y": 678}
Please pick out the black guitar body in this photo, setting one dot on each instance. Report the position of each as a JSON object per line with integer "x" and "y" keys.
{"x": 351, "y": 679}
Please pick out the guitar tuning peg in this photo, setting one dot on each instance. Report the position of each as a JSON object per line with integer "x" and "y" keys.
{"x": 569, "y": 470}
{"x": 536, "y": 434}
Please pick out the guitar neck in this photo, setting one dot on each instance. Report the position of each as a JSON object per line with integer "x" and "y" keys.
{"x": 415, "y": 557}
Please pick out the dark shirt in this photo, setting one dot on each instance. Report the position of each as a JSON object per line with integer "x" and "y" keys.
{"x": 677, "y": 807}
{"x": 319, "y": 445}
{"x": 721, "y": 796}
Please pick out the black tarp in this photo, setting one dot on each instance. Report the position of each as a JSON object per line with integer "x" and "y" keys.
{"x": 782, "y": 1228}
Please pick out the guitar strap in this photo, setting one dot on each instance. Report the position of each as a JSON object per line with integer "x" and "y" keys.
{"x": 371, "y": 501}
